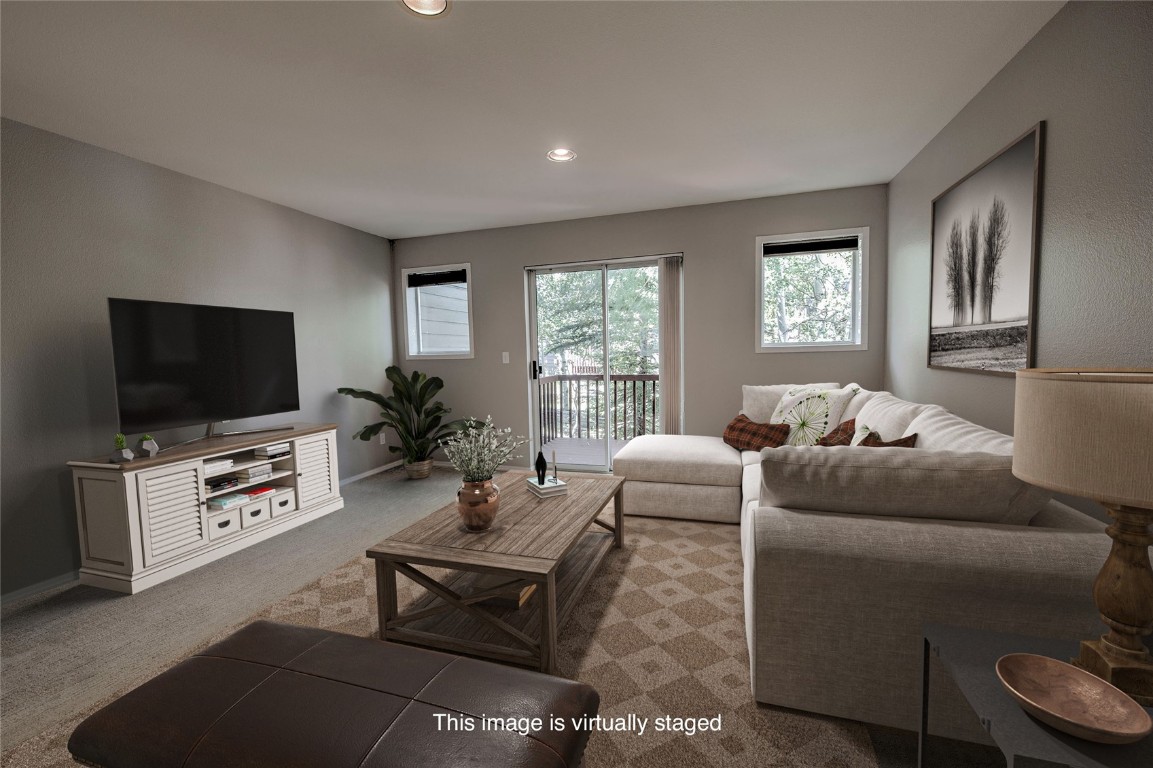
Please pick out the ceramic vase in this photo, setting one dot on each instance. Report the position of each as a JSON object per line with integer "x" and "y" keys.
{"x": 121, "y": 455}
{"x": 477, "y": 504}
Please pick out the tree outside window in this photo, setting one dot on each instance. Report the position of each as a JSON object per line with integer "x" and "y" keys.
{"x": 809, "y": 290}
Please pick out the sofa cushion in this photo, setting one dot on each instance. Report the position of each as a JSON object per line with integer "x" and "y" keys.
{"x": 888, "y": 415}
{"x": 898, "y": 482}
{"x": 744, "y": 434}
{"x": 684, "y": 501}
{"x": 842, "y": 434}
{"x": 750, "y": 485}
{"x": 760, "y": 401}
{"x": 937, "y": 429}
{"x": 750, "y": 457}
{"x": 857, "y": 403}
{"x": 688, "y": 459}
{"x": 812, "y": 412}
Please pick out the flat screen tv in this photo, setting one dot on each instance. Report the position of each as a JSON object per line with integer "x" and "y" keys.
{"x": 182, "y": 364}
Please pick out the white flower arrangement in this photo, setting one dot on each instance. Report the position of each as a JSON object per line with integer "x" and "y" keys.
{"x": 480, "y": 448}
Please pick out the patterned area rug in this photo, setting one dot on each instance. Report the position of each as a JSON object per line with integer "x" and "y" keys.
{"x": 659, "y": 632}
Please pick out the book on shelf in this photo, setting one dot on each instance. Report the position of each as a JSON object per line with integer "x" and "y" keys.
{"x": 514, "y": 597}
{"x": 552, "y": 487}
{"x": 214, "y": 484}
{"x": 228, "y": 500}
{"x": 273, "y": 451}
{"x": 253, "y": 473}
{"x": 217, "y": 465}
{"x": 259, "y": 492}
{"x": 250, "y": 476}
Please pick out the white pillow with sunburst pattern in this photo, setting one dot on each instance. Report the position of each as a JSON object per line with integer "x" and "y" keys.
{"x": 811, "y": 413}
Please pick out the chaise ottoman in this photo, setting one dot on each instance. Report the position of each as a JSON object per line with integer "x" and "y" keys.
{"x": 284, "y": 696}
{"x": 692, "y": 477}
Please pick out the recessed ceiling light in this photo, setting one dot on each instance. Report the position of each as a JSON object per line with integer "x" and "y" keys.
{"x": 426, "y": 7}
{"x": 561, "y": 155}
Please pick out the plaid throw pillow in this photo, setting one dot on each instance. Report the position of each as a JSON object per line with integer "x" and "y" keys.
{"x": 746, "y": 435}
{"x": 842, "y": 434}
{"x": 873, "y": 440}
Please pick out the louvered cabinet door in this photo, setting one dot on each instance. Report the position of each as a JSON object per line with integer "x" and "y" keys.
{"x": 173, "y": 517}
{"x": 316, "y": 477}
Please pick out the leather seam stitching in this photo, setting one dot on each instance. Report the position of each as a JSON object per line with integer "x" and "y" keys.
{"x": 248, "y": 693}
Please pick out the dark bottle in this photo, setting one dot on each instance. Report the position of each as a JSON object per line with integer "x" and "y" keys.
{"x": 541, "y": 467}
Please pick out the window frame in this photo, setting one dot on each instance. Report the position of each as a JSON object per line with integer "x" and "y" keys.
{"x": 409, "y": 354}
{"x": 860, "y": 290}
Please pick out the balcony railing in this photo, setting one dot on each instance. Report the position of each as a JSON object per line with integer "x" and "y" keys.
{"x": 579, "y": 406}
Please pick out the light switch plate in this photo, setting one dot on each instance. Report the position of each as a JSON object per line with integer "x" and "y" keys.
{"x": 504, "y": 357}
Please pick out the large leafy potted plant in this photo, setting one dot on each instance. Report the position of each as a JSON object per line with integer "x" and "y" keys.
{"x": 412, "y": 413}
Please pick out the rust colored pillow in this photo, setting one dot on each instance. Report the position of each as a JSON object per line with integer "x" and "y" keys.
{"x": 873, "y": 440}
{"x": 746, "y": 435}
{"x": 842, "y": 434}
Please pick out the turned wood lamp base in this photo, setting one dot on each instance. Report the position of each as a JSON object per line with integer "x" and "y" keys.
{"x": 1123, "y": 592}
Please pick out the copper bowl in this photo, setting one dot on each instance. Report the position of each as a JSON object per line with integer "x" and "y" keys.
{"x": 1072, "y": 700}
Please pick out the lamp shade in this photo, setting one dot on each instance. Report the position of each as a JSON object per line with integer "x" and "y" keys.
{"x": 1086, "y": 433}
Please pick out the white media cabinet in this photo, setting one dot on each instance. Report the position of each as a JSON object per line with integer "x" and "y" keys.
{"x": 145, "y": 521}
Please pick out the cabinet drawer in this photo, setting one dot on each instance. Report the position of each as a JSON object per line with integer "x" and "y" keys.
{"x": 223, "y": 524}
{"x": 283, "y": 502}
{"x": 255, "y": 513}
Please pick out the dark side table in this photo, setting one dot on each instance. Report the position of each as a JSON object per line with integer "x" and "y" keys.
{"x": 970, "y": 656}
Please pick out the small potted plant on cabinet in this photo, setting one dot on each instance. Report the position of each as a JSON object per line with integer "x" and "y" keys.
{"x": 122, "y": 453}
{"x": 412, "y": 413}
{"x": 147, "y": 446}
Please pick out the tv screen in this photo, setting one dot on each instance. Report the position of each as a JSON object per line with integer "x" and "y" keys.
{"x": 182, "y": 364}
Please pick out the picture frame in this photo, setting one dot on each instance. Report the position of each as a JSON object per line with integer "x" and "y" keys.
{"x": 985, "y": 235}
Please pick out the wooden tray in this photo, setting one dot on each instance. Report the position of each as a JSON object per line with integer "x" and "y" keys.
{"x": 1072, "y": 700}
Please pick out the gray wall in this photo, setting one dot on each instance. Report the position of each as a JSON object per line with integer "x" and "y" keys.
{"x": 718, "y": 242}
{"x": 81, "y": 224}
{"x": 1087, "y": 74}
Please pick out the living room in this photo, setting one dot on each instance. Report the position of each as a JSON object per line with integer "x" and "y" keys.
{"x": 116, "y": 184}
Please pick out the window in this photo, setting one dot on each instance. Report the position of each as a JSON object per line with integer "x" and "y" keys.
{"x": 438, "y": 311}
{"x": 810, "y": 293}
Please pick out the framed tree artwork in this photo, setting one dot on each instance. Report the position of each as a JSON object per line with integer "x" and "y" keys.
{"x": 985, "y": 232}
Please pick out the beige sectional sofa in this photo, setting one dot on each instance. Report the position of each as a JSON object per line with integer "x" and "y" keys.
{"x": 847, "y": 551}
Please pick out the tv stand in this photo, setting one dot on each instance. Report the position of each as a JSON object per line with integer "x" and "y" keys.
{"x": 147, "y": 520}
{"x": 210, "y": 432}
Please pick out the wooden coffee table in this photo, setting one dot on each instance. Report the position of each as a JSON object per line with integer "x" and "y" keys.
{"x": 555, "y": 544}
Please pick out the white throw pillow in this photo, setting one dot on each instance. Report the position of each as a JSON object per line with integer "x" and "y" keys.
{"x": 887, "y": 415}
{"x": 899, "y": 482}
{"x": 857, "y": 403}
{"x": 760, "y": 401}
{"x": 811, "y": 413}
{"x": 861, "y": 433}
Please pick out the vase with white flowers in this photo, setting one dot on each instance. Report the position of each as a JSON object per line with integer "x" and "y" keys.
{"x": 477, "y": 451}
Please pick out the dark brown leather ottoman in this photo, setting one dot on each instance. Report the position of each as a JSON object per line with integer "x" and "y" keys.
{"x": 278, "y": 695}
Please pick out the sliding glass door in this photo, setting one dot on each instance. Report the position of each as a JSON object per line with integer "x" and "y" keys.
{"x": 595, "y": 348}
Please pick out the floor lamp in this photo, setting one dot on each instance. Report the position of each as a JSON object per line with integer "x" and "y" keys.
{"x": 1089, "y": 433}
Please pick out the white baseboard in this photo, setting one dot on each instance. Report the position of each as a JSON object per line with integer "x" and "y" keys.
{"x": 43, "y": 586}
{"x": 362, "y": 475}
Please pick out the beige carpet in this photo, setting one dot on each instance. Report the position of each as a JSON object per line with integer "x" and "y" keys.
{"x": 658, "y": 632}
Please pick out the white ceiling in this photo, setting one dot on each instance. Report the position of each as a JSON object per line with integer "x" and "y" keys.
{"x": 365, "y": 114}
